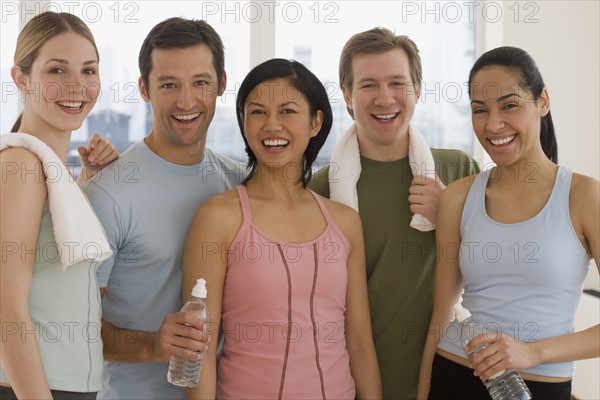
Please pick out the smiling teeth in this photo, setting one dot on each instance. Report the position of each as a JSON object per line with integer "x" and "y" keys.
{"x": 499, "y": 142}
{"x": 385, "y": 117}
{"x": 275, "y": 142}
{"x": 69, "y": 105}
{"x": 186, "y": 117}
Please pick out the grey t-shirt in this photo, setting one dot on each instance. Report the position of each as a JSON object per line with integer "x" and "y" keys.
{"x": 146, "y": 205}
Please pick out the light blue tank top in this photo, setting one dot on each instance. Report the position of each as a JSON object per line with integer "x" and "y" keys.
{"x": 65, "y": 309}
{"x": 523, "y": 279}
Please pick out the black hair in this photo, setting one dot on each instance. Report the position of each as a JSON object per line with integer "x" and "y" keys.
{"x": 530, "y": 79}
{"x": 306, "y": 83}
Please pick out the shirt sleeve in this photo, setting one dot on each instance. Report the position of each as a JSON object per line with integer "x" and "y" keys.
{"x": 109, "y": 215}
{"x": 319, "y": 182}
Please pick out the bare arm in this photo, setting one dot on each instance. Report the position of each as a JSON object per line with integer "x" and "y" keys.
{"x": 23, "y": 196}
{"x": 204, "y": 256}
{"x": 448, "y": 280}
{"x": 505, "y": 352}
{"x": 179, "y": 335}
{"x": 359, "y": 337}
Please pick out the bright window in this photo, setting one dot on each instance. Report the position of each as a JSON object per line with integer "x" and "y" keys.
{"x": 312, "y": 32}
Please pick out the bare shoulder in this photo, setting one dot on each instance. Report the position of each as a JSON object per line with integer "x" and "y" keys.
{"x": 23, "y": 169}
{"x": 19, "y": 155}
{"x": 584, "y": 188}
{"x": 23, "y": 192}
{"x": 584, "y": 207}
{"x": 346, "y": 218}
{"x": 455, "y": 194}
{"x": 221, "y": 213}
{"x": 222, "y": 202}
{"x": 340, "y": 211}
{"x": 584, "y": 197}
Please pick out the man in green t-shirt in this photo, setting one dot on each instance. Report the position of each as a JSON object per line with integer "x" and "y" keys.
{"x": 380, "y": 76}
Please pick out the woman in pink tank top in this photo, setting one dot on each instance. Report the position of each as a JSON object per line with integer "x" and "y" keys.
{"x": 285, "y": 268}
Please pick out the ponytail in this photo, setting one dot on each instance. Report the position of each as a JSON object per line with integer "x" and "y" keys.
{"x": 548, "y": 138}
{"x": 17, "y": 124}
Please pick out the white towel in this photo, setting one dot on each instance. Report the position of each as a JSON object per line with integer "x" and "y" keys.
{"x": 77, "y": 231}
{"x": 345, "y": 175}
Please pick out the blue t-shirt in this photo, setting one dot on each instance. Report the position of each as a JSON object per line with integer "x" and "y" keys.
{"x": 146, "y": 205}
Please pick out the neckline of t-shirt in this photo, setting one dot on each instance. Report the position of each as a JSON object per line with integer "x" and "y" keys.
{"x": 160, "y": 162}
{"x": 388, "y": 165}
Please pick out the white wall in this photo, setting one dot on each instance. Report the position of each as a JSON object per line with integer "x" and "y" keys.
{"x": 565, "y": 43}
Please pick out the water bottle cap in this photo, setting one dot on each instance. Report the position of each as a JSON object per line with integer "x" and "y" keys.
{"x": 199, "y": 289}
{"x": 461, "y": 313}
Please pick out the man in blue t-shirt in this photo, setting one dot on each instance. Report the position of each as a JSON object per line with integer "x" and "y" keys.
{"x": 146, "y": 202}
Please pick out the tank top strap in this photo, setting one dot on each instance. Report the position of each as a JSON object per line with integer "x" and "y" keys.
{"x": 245, "y": 203}
{"x": 476, "y": 196}
{"x": 323, "y": 209}
{"x": 562, "y": 186}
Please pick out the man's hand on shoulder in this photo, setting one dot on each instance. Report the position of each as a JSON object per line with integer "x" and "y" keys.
{"x": 424, "y": 196}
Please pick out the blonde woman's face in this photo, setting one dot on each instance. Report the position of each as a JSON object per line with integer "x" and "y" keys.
{"x": 63, "y": 85}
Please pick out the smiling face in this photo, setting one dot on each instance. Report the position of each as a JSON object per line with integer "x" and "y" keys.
{"x": 383, "y": 99}
{"x": 62, "y": 86}
{"x": 505, "y": 117}
{"x": 278, "y": 124}
{"x": 182, "y": 90}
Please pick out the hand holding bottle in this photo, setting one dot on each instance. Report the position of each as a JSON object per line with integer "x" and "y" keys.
{"x": 505, "y": 384}
{"x": 186, "y": 371}
{"x": 501, "y": 352}
{"x": 181, "y": 334}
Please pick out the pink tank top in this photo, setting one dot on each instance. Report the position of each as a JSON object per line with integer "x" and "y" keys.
{"x": 283, "y": 315}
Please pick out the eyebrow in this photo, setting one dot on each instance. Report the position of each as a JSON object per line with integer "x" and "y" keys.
{"x": 171, "y": 78}
{"x": 401, "y": 76}
{"x": 62, "y": 61}
{"x": 255, "y": 103}
{"x": 502, "y": 98}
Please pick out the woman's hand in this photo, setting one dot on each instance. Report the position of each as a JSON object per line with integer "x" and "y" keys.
{"x": 97, "y": 155}
{"x": 502, "y": 352}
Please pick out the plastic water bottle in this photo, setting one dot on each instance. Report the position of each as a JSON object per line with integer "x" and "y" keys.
{"x": 506, "y": 384}
{"x": 184, "y": 372}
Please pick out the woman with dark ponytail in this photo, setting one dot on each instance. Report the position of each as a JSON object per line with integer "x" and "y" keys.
{"x": 530, "y": 79}
{"x": 518, "y": 239}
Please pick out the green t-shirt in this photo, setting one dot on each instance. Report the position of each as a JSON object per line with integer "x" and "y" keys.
{"x": 400, "y": 262}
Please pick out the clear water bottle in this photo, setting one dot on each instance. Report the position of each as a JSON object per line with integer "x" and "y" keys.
{"x": 184, "y": 372}
{"x": 506, "y": 384}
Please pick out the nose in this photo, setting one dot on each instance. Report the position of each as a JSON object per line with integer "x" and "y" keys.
{"x": 385, "y": 97}
{"x": 185, "y": 98}
{"x": 495, "y": 122}
{"x": 272, "y": 124}
{"x": 74, "y": 86}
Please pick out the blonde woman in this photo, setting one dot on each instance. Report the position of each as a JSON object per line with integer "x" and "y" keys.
{"x": 51, "y": 346}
